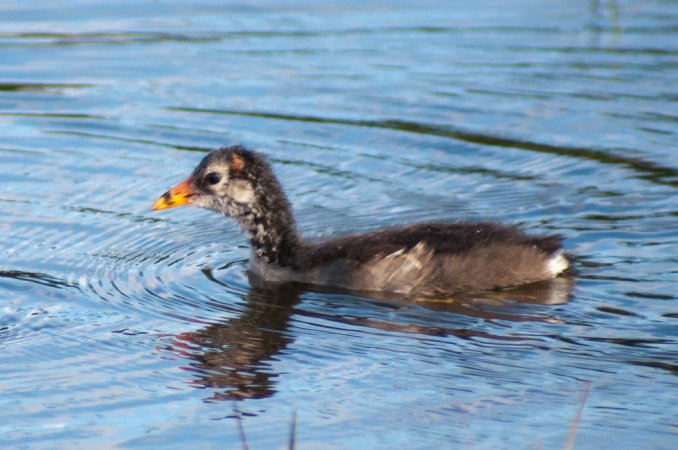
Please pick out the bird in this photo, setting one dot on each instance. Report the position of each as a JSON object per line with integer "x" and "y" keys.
{"x": 429, "y": 258}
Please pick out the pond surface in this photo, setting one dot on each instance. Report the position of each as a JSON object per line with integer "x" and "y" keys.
{"x": 122, "y": 327}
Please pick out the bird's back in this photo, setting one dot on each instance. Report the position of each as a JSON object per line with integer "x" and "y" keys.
{"x": 428, "y": 258}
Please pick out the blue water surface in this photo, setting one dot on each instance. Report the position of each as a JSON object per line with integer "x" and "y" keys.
{"x": 126, "y": 328}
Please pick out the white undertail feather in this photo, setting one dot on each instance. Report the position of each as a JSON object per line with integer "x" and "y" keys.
{"x": 557, "y": 264}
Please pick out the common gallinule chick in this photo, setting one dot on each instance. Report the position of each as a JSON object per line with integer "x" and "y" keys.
{"x": 419, "y": 259}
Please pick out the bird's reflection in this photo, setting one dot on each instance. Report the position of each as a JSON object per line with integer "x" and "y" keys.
{"x": 233, "y": 358}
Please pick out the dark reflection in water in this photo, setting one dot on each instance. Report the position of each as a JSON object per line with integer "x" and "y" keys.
{"x": 233, "y": 357}
{"x": 646, "y": 170}
{"x": 36, "y": 277}
{"x": 604, "y": 16}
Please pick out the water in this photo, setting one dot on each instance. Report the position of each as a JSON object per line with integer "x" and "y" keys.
{"x": 125, "y": 328}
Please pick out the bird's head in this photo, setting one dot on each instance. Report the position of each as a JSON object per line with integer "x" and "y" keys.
{"x": 224, "y": 181}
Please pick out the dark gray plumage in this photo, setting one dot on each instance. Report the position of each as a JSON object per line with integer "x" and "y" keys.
{"x": 420, "y": 259}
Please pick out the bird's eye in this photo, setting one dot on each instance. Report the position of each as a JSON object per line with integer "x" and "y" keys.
{"x": 212, "y": 178}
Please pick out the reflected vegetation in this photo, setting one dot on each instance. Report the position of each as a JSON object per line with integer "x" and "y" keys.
{"x": 36, "y": 277}
{"x": 672, "y": 368}
{"x": 604, "y": 17}
{"x": 646, "y": 170}
{"x": 33, "y": 87}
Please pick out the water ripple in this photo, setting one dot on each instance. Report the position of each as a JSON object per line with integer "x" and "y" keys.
{"x": 122, "y": 327}
{"x": 646, "y": 170}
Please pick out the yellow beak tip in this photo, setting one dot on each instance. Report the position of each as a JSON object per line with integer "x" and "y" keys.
{"x": 179, "y": 195}
{"x": 159, "y": 204}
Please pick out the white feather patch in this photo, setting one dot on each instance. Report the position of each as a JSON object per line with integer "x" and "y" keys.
{"x": 557, "y": 264}
{"x": 241, "y": 191}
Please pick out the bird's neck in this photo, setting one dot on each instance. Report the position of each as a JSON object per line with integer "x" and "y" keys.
{"x": 272, "y": 231}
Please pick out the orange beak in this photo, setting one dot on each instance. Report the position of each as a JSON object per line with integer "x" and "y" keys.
{"x": 179, "y": 195}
